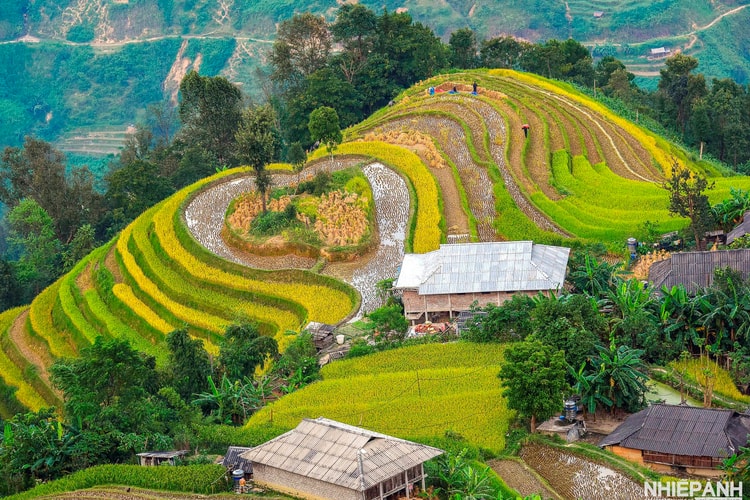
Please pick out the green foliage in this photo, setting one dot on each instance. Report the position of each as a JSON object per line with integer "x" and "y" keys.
{"x": 509, "y": 322}
{"x": 243, "y": 349}
{"x": 570, "y": 323}
{"x": 210, "y": 113}
{"x": 533, "y": 377}
{"x": 387, "y": 318}
{"x": 188, "y": 366}
{"x": 32, "y": 236}
{"x": 687, "y": 198}
{"x": 324, "y": 127}
{"x": 202, "y": 479}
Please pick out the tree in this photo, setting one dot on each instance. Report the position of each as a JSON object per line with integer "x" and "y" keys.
{"x": 32, "y": 237}
{"x": 502, "y": 52}
{"x": 243, "y": 349}
{"x": 508, "y": 322}
{"x": 259, "y": 142}
{"x": 109, "y": 379}
{"x": 687, "y": 198}
{"x": 297, "y": 156}
{"x": 189, "y": 366}
{"x": 234, "y": 401}
{"x": 354, "y": 28}
{"x": 134, "y": 188}
{"x": 83, "y": 243}
{"x": 324, "y": 127}
{"x": 621, "y": 377}
{"x": 38, "y": 171}
{"x": 679, "y": 89}
{"x": 533, "y": 376}
{"x": 571, "y": 323}
{"x": 591, "y": 276}
{"x": 302, "y": 46}
{"x": 463, "y": 47}
{"x": 210, "y": 111}
{"x": 10, "y": 287}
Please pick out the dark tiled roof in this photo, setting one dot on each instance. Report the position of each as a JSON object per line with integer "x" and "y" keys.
{"x": 233, "y": 459}
{"x": 695, "y": 270}
{"x": 683, "y": 430}
{"x": 740, "y": 230}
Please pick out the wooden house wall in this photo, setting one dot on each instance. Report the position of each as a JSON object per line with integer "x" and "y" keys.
{"x": 300, "y": 486}
{"x": 415, "y": 303}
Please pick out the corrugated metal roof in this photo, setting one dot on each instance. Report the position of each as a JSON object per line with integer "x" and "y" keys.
{"x": 683, "y": 430}
{"x": 328, "y": 451}
{"x": 485, "y": 267}
{"x": 695, "y": 270}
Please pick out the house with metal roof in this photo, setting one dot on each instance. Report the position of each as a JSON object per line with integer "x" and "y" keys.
{"x": 325, "y": 459}
{"x": 440, "y": 284}
{"x": 695, "y": 270}
{"x": 669, "y": 438}
{"x": 740, "y": 229}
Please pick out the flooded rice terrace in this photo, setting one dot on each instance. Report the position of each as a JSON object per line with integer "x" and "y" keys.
{"x": 574, "y": 477}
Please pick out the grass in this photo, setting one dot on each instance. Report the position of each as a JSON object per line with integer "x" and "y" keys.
{"x": 696, "y": 370}
{"x": 418, "y": 392}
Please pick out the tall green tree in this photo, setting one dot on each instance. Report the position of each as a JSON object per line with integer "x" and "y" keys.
{"x": 210, "y": 111}
{"x": 324, "y": 127}
{"x": 243, "y": 349}
{"x": 679, "y": 88}
{"x": 463, "y": 46}
{"x": 354, "y": 28}
{"x": 32, "y": 238}
{"x": 502, "y": 52}
{"x": 189, "y": 366}
{"x": 533, "y": 375}
{"x": 621, "y": 376}
{"x": 259, "y": 142}
{"x": 302, "y": 46}
{"x": 38, "y": 171}
{"x": 297, "y": 156}
{"x": 687, "y": 198}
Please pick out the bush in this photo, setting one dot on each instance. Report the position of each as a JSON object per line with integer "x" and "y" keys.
{"x": 193, "y": 479}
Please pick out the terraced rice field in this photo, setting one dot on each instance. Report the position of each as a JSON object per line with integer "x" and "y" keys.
{"x": 151, "y": 279}
{"x": 581, "y": 175}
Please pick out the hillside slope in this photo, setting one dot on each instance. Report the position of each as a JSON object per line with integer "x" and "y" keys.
{"x": 580, "y": 175}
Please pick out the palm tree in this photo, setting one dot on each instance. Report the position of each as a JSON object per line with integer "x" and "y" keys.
{"x": 621, "y": 371}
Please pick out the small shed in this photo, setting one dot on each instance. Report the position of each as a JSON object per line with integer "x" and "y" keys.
{"x": 322, "y": 334}
{"x": 151, "y": 458}
{"x": 598, "y": 14}
{"x": 234, "y": 460}
{"x": 660, "y": 52}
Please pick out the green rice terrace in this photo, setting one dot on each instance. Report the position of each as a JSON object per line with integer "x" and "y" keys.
{"x": 443, "y": 167}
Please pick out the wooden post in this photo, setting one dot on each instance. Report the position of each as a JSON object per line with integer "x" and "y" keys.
{"x": 406, "y": 478}
{"x": 701, "y": 154}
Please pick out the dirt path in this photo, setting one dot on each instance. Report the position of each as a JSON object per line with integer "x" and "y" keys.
{"x": 18, "y": 335}
{"x": 205, "y": 219}
{"x": 519, "y": 477}
{"x": 718, "y": 18}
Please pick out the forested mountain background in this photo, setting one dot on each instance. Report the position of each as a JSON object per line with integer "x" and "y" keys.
{"x": 78, "y": 72}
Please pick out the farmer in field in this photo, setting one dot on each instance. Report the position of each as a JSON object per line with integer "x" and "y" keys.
{"x": 525, "y": 128}
{"x": 474, "y": 85}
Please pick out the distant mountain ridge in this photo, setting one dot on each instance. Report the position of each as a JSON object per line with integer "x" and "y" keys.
{"x": 94, "y": 63}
